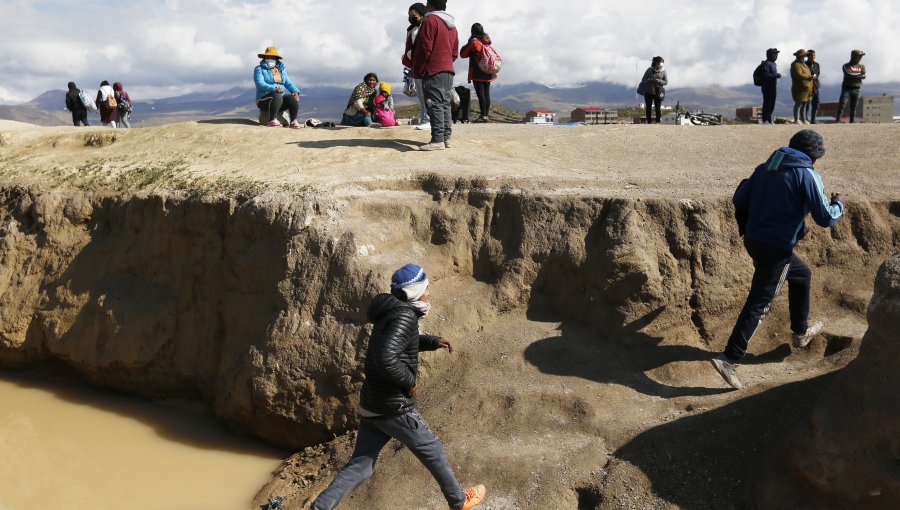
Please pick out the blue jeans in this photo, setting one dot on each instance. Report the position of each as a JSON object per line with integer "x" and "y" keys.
{"x": 411, "y": 430}
{"x": 812, "y": 107}
{"x": 358, "y": 120}
{"x": 771, "y": 268}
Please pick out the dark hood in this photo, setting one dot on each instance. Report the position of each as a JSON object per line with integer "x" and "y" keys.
{"x": 72, "y": 85}
{"x": 384, "y": 304}
{"x": 786, "y": 158}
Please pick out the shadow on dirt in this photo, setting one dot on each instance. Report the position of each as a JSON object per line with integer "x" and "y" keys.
{"x": 623, "y": 356}
{"x": 234, "y": 121}
{"x": 395, "y": 144}
{"x": 712, "y": 460}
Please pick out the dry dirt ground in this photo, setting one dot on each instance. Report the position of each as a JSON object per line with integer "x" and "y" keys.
{"x": 542, "y": 409}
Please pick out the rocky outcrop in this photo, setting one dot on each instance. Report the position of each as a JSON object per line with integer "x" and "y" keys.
{"x": 846, "y": 454}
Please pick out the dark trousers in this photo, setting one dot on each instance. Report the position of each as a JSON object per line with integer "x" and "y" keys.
{"x": 79, "y": 116}
{"x": 273, "y": 104}
{"x": 649, "y": 101}
{"x": 437, "y": 101}
{"x": 851, "y": 96}
{"x": 771, "y": 267}
{"x": 483, "y": 91}
{"x": 768, "y": 107}
{"x": 411, "y": 430}
{"x": 812, "y": 107}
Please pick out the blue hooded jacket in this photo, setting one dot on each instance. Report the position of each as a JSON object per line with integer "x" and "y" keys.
{"x": 265, "y": 80}
{"x": 778, "y": 197}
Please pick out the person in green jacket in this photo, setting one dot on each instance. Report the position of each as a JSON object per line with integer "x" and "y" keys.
{"x": 801, "y": 86}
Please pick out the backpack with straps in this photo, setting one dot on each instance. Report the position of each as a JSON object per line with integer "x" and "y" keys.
{"x": 111, "y": 101}
{"x": 124, "y": 103}
{"x": 759, "y": 74}
{"x": 489, "y": 60}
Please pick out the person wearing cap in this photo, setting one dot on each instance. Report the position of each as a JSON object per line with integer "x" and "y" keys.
{"x": 275, "y": 91}
{"x": 769, "y": 78}
{"x": 854, "y": 74}
{"x": 801, "y": 86}
{"x": 771, "y": 207}
{"x": 387, "y": 402}
{"x": 812, "y": 107}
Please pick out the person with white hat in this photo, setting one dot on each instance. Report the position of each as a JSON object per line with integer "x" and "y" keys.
{"x": 275, "y": 91}
{"x": 387, "y": 402}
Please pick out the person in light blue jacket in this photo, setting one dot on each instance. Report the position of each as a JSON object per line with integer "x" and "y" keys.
{"x": 275, "y": 91}
{"x": 771, "y": 207}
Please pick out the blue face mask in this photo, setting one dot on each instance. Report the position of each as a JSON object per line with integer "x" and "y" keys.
{"x": 270, "y": 62}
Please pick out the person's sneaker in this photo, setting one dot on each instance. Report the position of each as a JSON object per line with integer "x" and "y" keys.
{"x": 433, "y": 146}
{"x": 273, "y": 123}
{"x": 295, "y": 124}
{"x": 727, "y": 370}
{"x": 424, "y": 126}
{"x": 446, "y": 144}
{"x": 474, "y": 497}
{"x": 801, "y": 340}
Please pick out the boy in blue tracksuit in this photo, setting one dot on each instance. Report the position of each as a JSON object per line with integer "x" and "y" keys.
{"x": 775, "y": 201}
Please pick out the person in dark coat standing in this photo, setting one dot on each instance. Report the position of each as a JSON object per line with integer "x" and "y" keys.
{"x": 482, "y": 80}
{"x": 854, "y": 74}
{"x": 813, "y": 105}
{"x": 387, "y": 402}
{"x": 655, "y": 80}
{"x": 436, "y": 48}
{"x": 417, "y": 12}
{"x": 74, "y": 105}
{"x": 770, "y": 77}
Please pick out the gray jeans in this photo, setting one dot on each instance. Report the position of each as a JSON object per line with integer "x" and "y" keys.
{"x": 420, "y": 95}
{"x": 437, "y": 101}
{"x": 411, "y": 430}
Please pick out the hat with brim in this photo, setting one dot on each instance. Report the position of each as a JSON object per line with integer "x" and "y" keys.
{"x": 271, "y": 52}
{"x": 800, "y": 53}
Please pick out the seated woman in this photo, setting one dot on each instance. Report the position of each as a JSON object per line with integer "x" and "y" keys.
{"x": 384, "y": 106}
{"x": 360, "y": 108}
{"x": 275, "y": 91}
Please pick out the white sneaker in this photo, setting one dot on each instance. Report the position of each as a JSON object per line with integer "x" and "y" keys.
{"x": 802, "y": 340}
{"x": 446, "y": 144}
{"x": 727, "y": 370}
{"x": 423, "y": 127}
{"x": 433, "y": 146}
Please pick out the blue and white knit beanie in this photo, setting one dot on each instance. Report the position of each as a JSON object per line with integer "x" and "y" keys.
{"x": 409, "y": 283}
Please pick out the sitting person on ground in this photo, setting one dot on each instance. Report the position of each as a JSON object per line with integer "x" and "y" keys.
{"x": 123, "y": 101}
{"x": 275, "y": 91}
{"x": 360, "y": 110}
{"x": 481, "y": 80}
{"x": 384, "y": 106}
{"x": 109, "y": 112}
{"x": 74, "y": 105}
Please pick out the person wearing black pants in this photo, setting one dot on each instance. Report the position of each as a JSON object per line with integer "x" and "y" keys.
{"x": 482, "y": 80}
{"x": 813, "y": 105}
{"x": 771, "y": 208}
{"x": 74, "y": 105}
{"x": 654, "y": 81}
{"x": 768, "y": 82}
{"x": 276, "y": 103}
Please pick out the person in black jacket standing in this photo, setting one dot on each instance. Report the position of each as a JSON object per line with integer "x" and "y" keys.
{"x": 769, "y": 78}
{"x": 387, "y": 403}
{"x": 73, "y": 104}
{"x": 812, "y": 108}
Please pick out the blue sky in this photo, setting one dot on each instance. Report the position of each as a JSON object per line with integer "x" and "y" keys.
{"x": 171, "y": 47}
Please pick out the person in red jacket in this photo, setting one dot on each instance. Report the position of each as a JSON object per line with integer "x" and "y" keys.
{"x": 437, "y": 47}
{"x": 481, "y": 79}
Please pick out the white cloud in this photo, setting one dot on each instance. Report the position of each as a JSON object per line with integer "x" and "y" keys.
{"x": 175, "y": 46}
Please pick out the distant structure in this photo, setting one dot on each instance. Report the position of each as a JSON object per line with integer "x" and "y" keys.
{"x": 870, "y": 110}
{"x": 592, "y": 115}
{"x": 540, "y": 117}
{"x": 750, "y": 114}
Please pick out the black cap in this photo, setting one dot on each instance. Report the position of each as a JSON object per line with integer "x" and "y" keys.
{"x": 808, "y": 142}
{"x": 772, "y": 50}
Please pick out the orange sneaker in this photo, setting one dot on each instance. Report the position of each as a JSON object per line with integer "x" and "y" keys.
{"x": 474, "y": 497}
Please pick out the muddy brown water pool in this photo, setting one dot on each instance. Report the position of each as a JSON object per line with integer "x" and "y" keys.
{"x": 66, "y": 445}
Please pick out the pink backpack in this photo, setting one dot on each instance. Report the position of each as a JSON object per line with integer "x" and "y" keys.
{"x": 489, "y": 60}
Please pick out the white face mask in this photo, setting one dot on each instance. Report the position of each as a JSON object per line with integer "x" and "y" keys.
{"x": 422, "y": 306}
{"x": 270, "y": 62}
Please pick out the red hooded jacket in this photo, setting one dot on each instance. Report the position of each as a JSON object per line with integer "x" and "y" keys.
{"x": 437, "y": 45}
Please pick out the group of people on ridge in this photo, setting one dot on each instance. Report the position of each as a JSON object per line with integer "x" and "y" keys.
{"x": 805, "y": 75}
{"x": 113, "y": 103}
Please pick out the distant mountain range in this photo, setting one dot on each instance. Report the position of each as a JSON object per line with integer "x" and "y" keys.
{"x": 327, "y": 103}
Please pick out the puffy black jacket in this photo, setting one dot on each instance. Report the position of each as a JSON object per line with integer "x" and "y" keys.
{"x": 392, "y": 358}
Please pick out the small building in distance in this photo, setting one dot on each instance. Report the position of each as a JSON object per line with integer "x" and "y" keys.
{"x": 540, "y": 117}
{"x": 869, "y": 109}
{"x": 593, "y": 115}
{"x": 749, "y": 114}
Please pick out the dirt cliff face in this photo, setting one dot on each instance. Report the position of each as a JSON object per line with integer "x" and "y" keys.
{"x": 846, "y": 453}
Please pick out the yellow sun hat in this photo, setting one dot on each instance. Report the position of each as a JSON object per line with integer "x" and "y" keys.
{"x": 271, "y": 52}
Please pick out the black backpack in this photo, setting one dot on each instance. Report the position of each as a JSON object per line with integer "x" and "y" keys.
{"x": 759, "y": 74}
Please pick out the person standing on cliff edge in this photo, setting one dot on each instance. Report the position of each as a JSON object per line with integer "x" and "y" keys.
{"x": 387, "y": 402}
{"x": 771, "y": 207}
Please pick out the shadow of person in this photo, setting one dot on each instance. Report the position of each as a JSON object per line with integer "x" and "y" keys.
{"x": 393, "y": 144}
{"x": 235, "y": 121}
{"x": 624, "y": 356}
